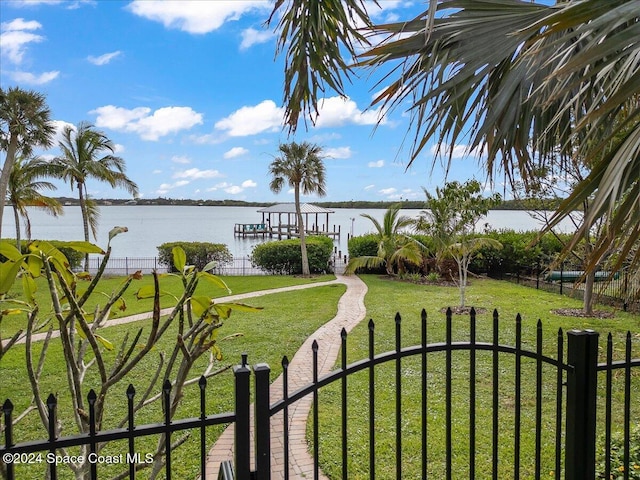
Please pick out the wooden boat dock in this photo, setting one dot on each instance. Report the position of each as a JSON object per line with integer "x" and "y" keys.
{"x": 280, "y": 221}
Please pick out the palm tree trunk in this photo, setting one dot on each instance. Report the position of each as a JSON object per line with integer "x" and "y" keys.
{"x": 17, "y": 220}
{"x": 303, "y": 242}
{"x": 6, "y": 173}
{"x": 85, "y": 221}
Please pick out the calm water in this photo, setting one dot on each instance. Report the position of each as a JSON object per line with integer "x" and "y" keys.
{"x": 150, "y": 226}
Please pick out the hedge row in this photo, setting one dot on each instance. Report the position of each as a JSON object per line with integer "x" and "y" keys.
{"x": 284, "y": 257}
{"x": 518, "y": 255}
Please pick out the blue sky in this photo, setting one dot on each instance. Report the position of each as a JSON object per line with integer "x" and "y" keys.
{"x": 191, "y": 94}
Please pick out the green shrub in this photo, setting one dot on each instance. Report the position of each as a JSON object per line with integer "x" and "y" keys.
{"x": 517, "y": 255}
{"x": 363, "y": 246}
{"x": 198, "y": 254}
{"x": 284, "y": 257}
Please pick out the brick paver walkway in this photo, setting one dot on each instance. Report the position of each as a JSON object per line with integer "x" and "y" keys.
{"x": 351, "y": 311}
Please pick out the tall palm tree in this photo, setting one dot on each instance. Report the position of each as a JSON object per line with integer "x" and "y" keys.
{"x": 530, "y": 84}
{"x": 300, "y": 166}
{"x": 24, "y": 125}
{"x": 394, "y": 247}
{"x": 87, "y": 153}
{"x": 24, "y": 190}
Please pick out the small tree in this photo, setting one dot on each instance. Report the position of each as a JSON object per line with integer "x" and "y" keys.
{"x": 195, "y": 316}
{"x": 451, "y": 216}
{"x": 394, "y": 247}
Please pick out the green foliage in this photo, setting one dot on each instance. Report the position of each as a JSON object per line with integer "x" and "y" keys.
{"x": 74, "y": 257}
{"x": 284, "y": 257}
{"x": 617, "y": 456}
{"x": 395, "y": 249}
{"x": 198, "y": 254}
{"x": 363, "y": 246}
{"x": 519, "y": 253}
{"x": 367, "y": 246}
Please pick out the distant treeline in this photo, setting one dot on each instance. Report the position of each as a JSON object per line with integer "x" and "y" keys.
{"x": 526, "y": 204}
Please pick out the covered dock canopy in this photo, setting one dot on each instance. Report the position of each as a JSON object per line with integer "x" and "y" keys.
{"x": 275, "y": 214}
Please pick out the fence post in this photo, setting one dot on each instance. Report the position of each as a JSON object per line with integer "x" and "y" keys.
{"x": 242, "y": 443}
{"x": 262, "y": 422}
{"x": 580, "y": 451}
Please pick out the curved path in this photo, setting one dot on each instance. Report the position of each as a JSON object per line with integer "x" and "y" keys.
{"x": 350, "y": 312}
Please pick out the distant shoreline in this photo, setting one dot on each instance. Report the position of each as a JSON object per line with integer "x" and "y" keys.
{"x": 534, "y": 204}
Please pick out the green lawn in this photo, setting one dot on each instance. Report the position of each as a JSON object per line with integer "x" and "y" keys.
{"x": 170, "y": 284}
{"x": 384, "y": 299}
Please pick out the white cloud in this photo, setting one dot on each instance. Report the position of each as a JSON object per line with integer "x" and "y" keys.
{"x": 376, "y": 164}
{"x": 249, "y": 184}
{"x": 165, "y": 187}
{"x": 338, "y": 111}
{"x": 196, "y": 173}
{"x": 265, "y": 116}
{"x": 369, "y": 187}
{"x": 196, "y": 16}
{"x": 233, "y": 189}
{"x": 15, "y": 38}
{"x": 180, "y": 159}
{"x": 59, "y": 126}
{"x": 103, "y": 59}
{"x": 251, "y": 37}
{"x": 235, "y": 152}
{"x": 117, "y": 148}
{"x": 388, "y": 191}
{"x": 338, "y": 152}
{"x": 32, "y": 79}
{"x": 150, "y": 126}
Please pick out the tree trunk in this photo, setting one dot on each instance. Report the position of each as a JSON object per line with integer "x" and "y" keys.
{"x": 303, "y": 242}
{"x": 589, "y": 282}
{"x": 462, "y": 277}
{"x": 587, "y": 301}
{"x": 17, "y": 220}
{"x": 85, "y": 221}
{"x": 6, "y": 173}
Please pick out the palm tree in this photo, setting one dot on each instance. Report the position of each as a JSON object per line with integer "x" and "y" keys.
{"x": 528, "y": 83}
{"x": 88, "y": 154}
{"x": 394, "y": 247}
{"x": 24, "y": 190}
{"x": 24, "y": 125}
{"x": 300, "y": 165}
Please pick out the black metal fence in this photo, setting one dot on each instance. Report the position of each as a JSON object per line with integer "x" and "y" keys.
{"x": 616, "y": 291}
{"x": 575, "y": 421}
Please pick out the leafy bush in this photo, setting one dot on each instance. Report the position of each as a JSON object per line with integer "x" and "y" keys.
{"x": 517, "y": 255}
{"x": 363, "y": 246}
{"x": 199, "y": 254}
{"x": 284, "y": 256}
